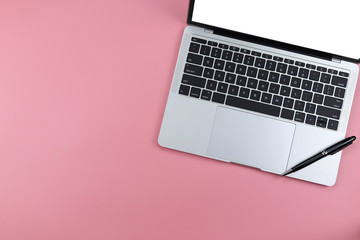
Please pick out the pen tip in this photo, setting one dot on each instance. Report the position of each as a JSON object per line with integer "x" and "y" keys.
{"x": 286, "y": 173}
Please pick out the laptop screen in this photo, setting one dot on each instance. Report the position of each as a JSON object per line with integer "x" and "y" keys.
{"x": 330, "y": 26}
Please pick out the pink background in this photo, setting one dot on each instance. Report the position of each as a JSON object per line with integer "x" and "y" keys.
{"x": 83, "y": 87}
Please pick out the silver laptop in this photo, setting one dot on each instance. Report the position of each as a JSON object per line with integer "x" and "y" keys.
{"x": 265, "y": 84}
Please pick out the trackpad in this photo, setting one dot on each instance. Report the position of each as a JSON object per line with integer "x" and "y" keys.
{"x": 251, "y": 140}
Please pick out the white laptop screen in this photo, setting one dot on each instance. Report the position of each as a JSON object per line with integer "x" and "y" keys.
{"x": 331, "y": 26}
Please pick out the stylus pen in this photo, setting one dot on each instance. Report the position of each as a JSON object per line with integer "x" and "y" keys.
{"x": 329, "y": 151}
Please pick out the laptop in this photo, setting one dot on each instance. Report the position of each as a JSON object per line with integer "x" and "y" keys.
{"x": 266, "y": 84}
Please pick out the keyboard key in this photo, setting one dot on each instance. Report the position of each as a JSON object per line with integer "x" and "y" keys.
{"x": 277, "y": 100}
{"x": 343, "y": 74}
{"x": 270, "y": 65}
{"x": 287, "y": 114}
{"x": 198, "y": 40}
{"x": 208, "y": 73}
{"x": 236, "y": 49}
{"x": 332, "y": 71}
{"x": 325, "y": 78}
{"x": 219, "y": 64}
{"x": 227, "y": 55}
{"x": 274, "y": 77}
{"x": 255, "y": 95}
{"x": 310, "y": 119}
{"x": 184, "y": 90}
{"x": 216, "y": 52}
{"x": 300, "y": 64}
{"x": 310, "y": 108}
{"x": 332, "y": 124}
{"x": 195, "y": 92}
{"x": 318, "y": 98}
{"x": 299, "y": 117}
{"x": 230, "y": 67}
{"x": 307, "y": 96}
{"x": 194, "y": 58}
{"x": 285, "y": 79}
{"x": 233, "y": 90}
{"x": 251, "y": 72}
{"x": 206, "y": 95}
{"x": 328, "y": 112}
{"x": 285, "y": 91}
{"x": 296, "y": 93}
{"x": 219, "y": 75}
{"x": 299, "y": 105}
{"x": 333, "y": 102}
{"x": 304, "y": 73}
{"x": 263, "y": 74}
{"x": 274, "y": 88}
{"x": 211, "y": 43}
{"x": 289, "y": 61}
{"x": 318, "y": 87}
{"x": 263, "y": 86}
{"x": 224, "y": 46}
{"x": 230, "y": 78}
{"x": 194, "y": 47}
{"x": 218, "y": 97}
{"x": 278, "y": 59}
{"x": 208, "y": 62}
{"x": 339, "y": 92}
{"x": 321, "y": 69}
{"x": 306, "y": 85}
{"x": 267, "y": 56}
{"x": 266, "y": 97}
{"x": 281, "y": 68}
{"x": 328, "y": 90}
{"x": 293, "y": 70}
{"x": 310, "y": 66}
{"x": 246, "y": 51}
{"x": 288, "y": 103}
{"x": 205, "y": 50}
{"x": 314, "y": 75}
{"x": 295, "y": 82}
{"x": 193, "y": 81}
{"x": 253, "y": 106}
{"x": 339, "y": 81}
{"x": 249, "y": 60}
{"x": 241, "y": 80}
{"x": 241, "y": 69}
{"x": 238, "y": 57}
{"x": 260, "y": 63}
{"x": 244, "y": 92}
{"x": 222, "y": 87}
{"x": 252, "y": 83}
{"x": 256, "y": 54}
{"x": 321, "y": 122}
{"x": 193, "y": 69}
{"x": 211, "y": 85}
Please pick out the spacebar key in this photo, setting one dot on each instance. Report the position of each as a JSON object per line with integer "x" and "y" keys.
{"x": 253, "y": 106}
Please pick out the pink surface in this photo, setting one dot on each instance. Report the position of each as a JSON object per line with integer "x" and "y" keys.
{"x": 83, "y": 87}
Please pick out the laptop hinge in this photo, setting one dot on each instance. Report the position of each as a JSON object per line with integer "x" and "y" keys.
{"x": 336, "y": 59}
{"x": 208, "y": 30}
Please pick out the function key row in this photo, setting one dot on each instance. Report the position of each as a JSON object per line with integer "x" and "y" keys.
{"x": 267, "y": 56}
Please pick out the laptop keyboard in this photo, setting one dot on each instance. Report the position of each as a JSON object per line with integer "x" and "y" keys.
{"x": 263, "y": 83}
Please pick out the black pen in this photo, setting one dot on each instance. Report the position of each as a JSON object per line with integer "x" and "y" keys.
{"x": 329, "y": 151}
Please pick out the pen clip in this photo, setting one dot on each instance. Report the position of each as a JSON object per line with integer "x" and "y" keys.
{"x": 338, "y": 150}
